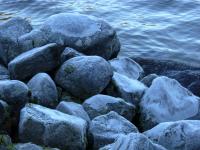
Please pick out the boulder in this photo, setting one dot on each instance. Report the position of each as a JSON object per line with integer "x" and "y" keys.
{"x": 31, "y": 146}
{"x": 84, "y": 76}
{"x": 102, "y": 104}
{"x": 74, "y": 109}
{"x": 127, "y": 67}
{"x": 166, "y": 100}
{"x": 178, "y": 135}
{"x": 128, "y": 89}
{"x": 133, "y": 141}
{"x": 147, "y": 80}
{"x": 44, "y": 126}
{"x": 5, "y": 142}
{"x": 4, "y": 112}
{"x": 41, "y": 59}
{"x": 10, "y": 31}
{"x": 43, "y": 89}
{"x": 4, "y": 74}
{"x": 106, "y": 128}
{"x": 87, "y": 34}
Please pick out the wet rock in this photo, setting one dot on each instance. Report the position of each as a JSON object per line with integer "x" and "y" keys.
{"x": 4, "y": 74}
{"x": 166, "y": 100}
{"x": 102, "y": 104}
{"x": 52, "y": 128}
{"x": 37, "y": 60}
{"x": 4, "y": 112}
{"x": 87, "y": 34}
{"x": 178, "y": 135}
{"x": 127, "y": 67}
{"x": 195, "y": 87}
{"x": 84, "y": 76}
{"x": 31, "y": 146}
{"x": 128, "y": 89}
{"x": 106, "y": 128}
{"x": 74, "y": 109}
{"x": 43, "y": 89}
{"x": 5, "y": 142}
{"x": 147, "y": 80}
{"x": 133, "y": 141}
{"x": 10, "y": 31}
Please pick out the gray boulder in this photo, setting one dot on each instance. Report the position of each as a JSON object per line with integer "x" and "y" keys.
{"x": 166, "y": 100}
{"x": 84, "y": 76}
{"x": 147, "y": 80}
{"x": 133, "y": 141}
{"x": 74, "y": 109}
{"x": 37, "y": 60}
{"x": 10, "y": 31}
{"x": 43, "y": 89}
{"x": 127, "y": 67}
{"x": 31, "y": 146}
{"x": 106, "y": 128}
{"x": 44, "y": 126}
{"x": 102, "y": 104}
{"x": 4, "y": 74}
{"x": 4, "y": 112}
{"x": 178, "y": 135}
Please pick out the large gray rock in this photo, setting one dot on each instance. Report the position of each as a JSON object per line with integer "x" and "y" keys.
{"x": 102, "y": 104}
{"x": 4, "y": 112}
{"x": 10, "y": 31}
{"x": 14, "y": 92}
{"x": 133, "y": 141}
{"x": 106, "y": 128}
{"x": 74, "y": 109}
{"x": 37, "y": 60}
{"x": 84, "y": 76}
{"x": 128, "y": 89}
{"x": 43, "y": 89}
{"x": 87, "y": 34}
{"x": 166, "y": 100}
{"x": 31, "y": 146}
{"x": 52, "y": 128}
{"x": 4, "y": 74}
{"x": 127, "y": 67}
{"x": 179, "y": 135}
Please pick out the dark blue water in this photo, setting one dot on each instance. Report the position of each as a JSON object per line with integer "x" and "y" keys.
{"x": 164, "y": 29}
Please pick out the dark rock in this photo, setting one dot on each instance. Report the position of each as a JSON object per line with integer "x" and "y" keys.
{"x": 147, "y": 80}
{"x": 4, "y": 112}
{"x": 5, "y": 142}
{"x": 4, "y": 74}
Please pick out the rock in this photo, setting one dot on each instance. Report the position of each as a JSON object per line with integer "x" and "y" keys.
{"x": 74, "y": 109}
{"x": 178, "y": 135}
{"x": 4, "y": 74}
{"x": 106, "y": 128}
{"x": 195, "y": 87}
{"x": 4, "y": 112}
{"x": 9, "y": 33}
{"x": 166, "y": 100}
{"x": 102, "y": 104}
{"x": 128, "y": 89}
{"x": 127, "y": 67}
{"x": 133, "y": 141}
{"x": 43, "y": 89}
{"x": 37, "y": 60}
{"x": 14, "y": 92}
{"x": 5, "y": 142}
{"x": 31, "y": 146}
{"x": 84, "y": 76}
{"x": 147, "y": 80}
{"x": 52, "y": 128}
{"x": 87, "y": 34}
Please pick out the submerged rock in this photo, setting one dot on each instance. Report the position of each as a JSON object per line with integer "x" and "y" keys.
{"x": 37, "y": 60}
{"x": 147, "y": 80}
{"x": 102, "y": 104}
{"x": 127, "y": 67}
{"x": 43, "y": 89}
{"x": 4, "y": 74}
{"x": 106, "y": 128}
{"x": 133, "y": 141}
{"x": 84, "y": 76}
{"x": 178, "y": 135}
{"x": 52, "y": 128}
{"x": 166, "y": 100}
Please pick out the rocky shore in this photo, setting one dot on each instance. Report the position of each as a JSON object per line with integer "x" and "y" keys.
{"x": 64, "y": 87}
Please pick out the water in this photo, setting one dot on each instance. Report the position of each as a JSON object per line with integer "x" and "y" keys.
{"x": 164, "y": 29}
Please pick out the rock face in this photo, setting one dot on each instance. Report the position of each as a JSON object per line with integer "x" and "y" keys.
{"x": 133, "y": 141}
{"x": 4, "y": 74}
{"x": 166, "y": 100}
{"x": 52, "y": 128}
{"x": 106, "y": 128}
{"x": 179, "y": 135}
{"x": 4, "y": 112}
{"x": 74, "y": 109}
{"x": 84, "y": 76}
{"x": 43, "y": 89}
{"x": 102, "y": 104}
{"x": 37, "y": 60}
{"x": 86, "y": 34}
{"x": 126, "y": 88}
{"x": 127, "y": 67}
{"x": 9, "y": 33}
{"x": 14, "y": 92}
